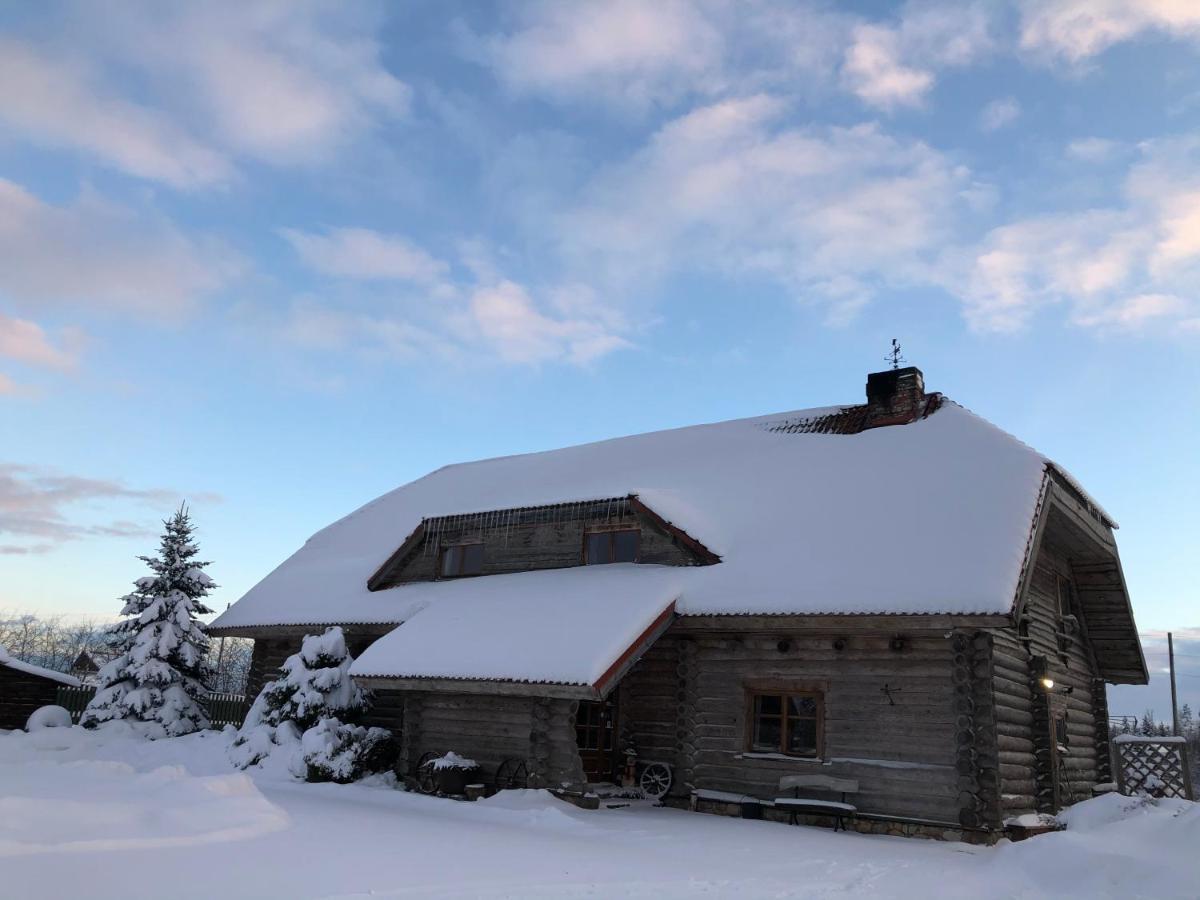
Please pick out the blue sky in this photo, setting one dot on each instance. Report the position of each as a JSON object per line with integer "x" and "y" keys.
{"x": 277, "y": 258}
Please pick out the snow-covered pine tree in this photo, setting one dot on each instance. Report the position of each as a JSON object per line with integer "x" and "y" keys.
{"x": 310, "y": 709}
{"x": 159, "y": 671}
{"x": 314, "y": 684}
{"x": 1147, "y": 726}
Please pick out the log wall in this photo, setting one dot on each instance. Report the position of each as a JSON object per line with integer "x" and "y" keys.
{"x": 1026, "y": 712}
{"x": 491, "y": 729}
{"x": 20, "y": 694}
{"x": 686, "y": 702}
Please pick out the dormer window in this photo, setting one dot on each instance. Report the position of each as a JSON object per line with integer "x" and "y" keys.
{"x": 461, "y": 560}
{"x": 612, "y": 546}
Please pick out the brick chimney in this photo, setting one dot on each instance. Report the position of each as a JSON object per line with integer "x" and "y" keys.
{"x": 895, "y": 397}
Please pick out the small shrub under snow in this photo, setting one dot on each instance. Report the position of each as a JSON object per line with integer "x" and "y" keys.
{"x": 48, "y": 717}
{"x": 343, "y": 753}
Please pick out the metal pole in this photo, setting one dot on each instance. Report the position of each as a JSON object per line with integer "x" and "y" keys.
{"x": 1174, "y": 704}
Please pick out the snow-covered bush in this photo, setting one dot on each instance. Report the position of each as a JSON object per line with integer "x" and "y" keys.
{"x": 308, "y": 714}
{"x": 48, "y": 717}
{"x": 314, "y": 684}
{"x": 343, "y": 753}
{"x": 159, "y": 672}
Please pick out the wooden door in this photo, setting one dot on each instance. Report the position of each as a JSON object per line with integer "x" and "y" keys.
{"x": 594, "y": 727}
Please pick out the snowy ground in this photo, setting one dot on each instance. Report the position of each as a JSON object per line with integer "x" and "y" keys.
{"x": 110, "y": 816}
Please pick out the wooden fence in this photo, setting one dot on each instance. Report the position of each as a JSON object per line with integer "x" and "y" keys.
{"x": 223, "y": 709}
{"x": 1157, "y": 766}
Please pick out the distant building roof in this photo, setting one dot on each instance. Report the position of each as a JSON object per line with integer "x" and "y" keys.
{"x": 7, "y": 661}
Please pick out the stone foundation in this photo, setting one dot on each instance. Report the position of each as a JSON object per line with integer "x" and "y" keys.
{"x": 893, "y": 827}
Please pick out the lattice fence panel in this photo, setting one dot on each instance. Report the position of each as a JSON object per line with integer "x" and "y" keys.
{"x": 1154, "y": 766}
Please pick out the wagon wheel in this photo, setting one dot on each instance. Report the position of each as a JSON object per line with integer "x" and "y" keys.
{"x": 425, "y": 780}
{"x": 512, "y": 773}
{"x": 655, "y": 780}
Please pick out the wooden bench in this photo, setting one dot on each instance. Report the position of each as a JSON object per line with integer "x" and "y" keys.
{"x": 796, "y": 804}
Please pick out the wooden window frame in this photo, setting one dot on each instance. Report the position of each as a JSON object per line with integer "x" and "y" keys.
{"x": 1064, "y": 589}
{"x": 441, "y": 562}
{"x": 610, "y": 530}
{"x": 784, "y": 693}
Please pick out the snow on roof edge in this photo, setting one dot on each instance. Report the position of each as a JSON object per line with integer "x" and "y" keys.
{"x": 1056, "y": 466}
{"x": 489, "y": 679}
{"x": 315, "y": 623}
{"x": 40, "y": 671}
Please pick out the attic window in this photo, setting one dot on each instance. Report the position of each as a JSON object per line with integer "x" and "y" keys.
{"x": 461, "y": 560}
{"x": 616, "y": 546}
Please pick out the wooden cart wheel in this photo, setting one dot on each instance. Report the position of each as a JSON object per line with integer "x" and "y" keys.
{"x": 425, "y": 780}
{"x": 655, "y": 780}
{"x": 512, "y": 773}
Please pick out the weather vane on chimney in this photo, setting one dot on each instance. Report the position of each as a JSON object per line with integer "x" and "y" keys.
{"x": 894, "y": 357}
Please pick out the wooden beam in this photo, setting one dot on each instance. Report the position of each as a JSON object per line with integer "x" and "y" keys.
{"x": 634, "y": 651}
{"x": 706, "y": 556}
{"x": 833, "y": 625}
{"x": 464, "y": 686}
{"x": 383, "y": 575}
{"x": 261, "y": 632}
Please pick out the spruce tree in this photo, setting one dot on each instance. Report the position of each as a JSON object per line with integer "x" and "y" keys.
{"x": 159, "y": 672}
{"x": 314, "y": 684}
{"x": 310, "y": 710}
{"x": 1147, "y": 726}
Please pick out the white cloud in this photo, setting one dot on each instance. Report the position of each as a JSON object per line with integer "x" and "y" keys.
{"x": 508, "y": 320}
{"x": 892, "y": 66}
{"x": 628, "y": 51}
{"x": 313, "y": 325}
{"x": 1079, "y": 29}
{"x": 831, "y": 212}
{"x": 98, "y": 255}
{"x": 482, "y": 315}
{"x": 641, "y": 54}
{"x": 27, "y": 342}
{"x": 60, "y": 102}
{"x": 1123, "y": 266}
{"x": 280, "y": 82}
{"x": 1136, "y": 312}
{"x": 1092, "y": 149}
{"x": 999, "y": 113}
{"x": 873, "y": 70}
{"x": 493, "y": 320}
{"x": 365, "y": 254}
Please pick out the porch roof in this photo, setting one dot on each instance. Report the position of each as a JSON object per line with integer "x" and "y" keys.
{"x": 579, "y": 626}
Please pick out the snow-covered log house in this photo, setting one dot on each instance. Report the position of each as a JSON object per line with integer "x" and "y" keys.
{"x": 896, "y": 594}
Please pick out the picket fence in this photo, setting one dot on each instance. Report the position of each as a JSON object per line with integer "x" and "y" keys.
{"x": 223, "y": 709}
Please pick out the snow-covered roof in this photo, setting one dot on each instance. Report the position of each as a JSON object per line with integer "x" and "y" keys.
{"x": 930, "y": 517}
{"x": 565, "y": 626}
{"x": 7, "y": 661}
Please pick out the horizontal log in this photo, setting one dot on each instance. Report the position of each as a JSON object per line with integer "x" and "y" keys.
{"x": 1009, "y": 744}
{"x": 1014, "y": 716}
